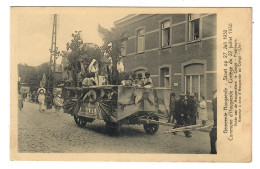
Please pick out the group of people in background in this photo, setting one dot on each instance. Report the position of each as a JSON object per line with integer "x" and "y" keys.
{"x": 187, "y": 110}
{"x": 48, "y": 100}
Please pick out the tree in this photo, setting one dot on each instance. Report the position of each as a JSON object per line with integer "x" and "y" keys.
{"x": 80, "y": 52}
{"x": 45, "y": 69}
{"x": 32, "y": 76}
{"x": 115, "y": 37}
{"x": 75, "y": 51}
{"x": 28, "y": 75}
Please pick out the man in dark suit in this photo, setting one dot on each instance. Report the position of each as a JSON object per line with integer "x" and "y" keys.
{"x": 181, "y": 110}
{"x": 213, "y": 133}
{"x": 192, "y": 108}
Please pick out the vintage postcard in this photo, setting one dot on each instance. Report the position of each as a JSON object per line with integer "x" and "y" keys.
{"x": 131, "y": 84}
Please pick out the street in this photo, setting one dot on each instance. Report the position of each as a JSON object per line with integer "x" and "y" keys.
{"x": 48, "y": 132}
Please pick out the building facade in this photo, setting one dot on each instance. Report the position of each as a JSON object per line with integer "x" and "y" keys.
{"x": 179, "y": 51}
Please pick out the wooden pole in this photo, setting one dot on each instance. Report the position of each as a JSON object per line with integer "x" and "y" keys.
{"x": 185, "y": 128}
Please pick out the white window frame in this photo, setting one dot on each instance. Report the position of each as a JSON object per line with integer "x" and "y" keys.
{"x": 191, "y": 31}
{"x": 163, "y": 29}
{"x": 165, "y": 76}
{"x": 140, "y": 40}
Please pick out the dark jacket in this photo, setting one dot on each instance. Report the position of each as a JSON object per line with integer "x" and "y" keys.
{"x": 192, "y": 106}
{"x": 172, "y": 104}
{"x": 180, "y": 107}
{"x": 214, "y": 108}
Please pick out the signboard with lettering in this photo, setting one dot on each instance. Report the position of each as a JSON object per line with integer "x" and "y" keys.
{"x": 24, "y": 89}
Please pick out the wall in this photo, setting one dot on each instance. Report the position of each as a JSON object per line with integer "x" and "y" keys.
{"x": 179, "y": 52}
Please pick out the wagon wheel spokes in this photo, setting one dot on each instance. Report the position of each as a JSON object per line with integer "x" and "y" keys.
{"x": 151, "y": 128}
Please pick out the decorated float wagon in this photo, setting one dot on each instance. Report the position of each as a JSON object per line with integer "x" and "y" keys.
{"x": 118, "y": 105}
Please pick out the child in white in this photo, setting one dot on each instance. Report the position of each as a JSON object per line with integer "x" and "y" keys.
{"x": 58, "y": 103}
{"x": 41, "y": 99}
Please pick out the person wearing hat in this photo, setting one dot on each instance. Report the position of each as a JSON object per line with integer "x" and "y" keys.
{"x": 180, "y": 108}
{"x": 192, "y": 109}
{"x": 140, "y": 82}
{"x": 58, "y": 103}
{"x": 41, "y": 99}
{"x": 181, "y": 113}
{"x": 172, "y": 108}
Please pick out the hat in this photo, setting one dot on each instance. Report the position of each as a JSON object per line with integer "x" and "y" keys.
{"x": 41, "y": 89}
{"x": 172, "y": 94}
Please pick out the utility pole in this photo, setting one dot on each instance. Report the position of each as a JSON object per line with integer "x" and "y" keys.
{"x": 53, "y": 50}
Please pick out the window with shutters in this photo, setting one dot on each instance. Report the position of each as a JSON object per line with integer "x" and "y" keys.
{"x": 140, "y": 40}
{"x": 194, "y": 27}
{"x": 165, "y": 33}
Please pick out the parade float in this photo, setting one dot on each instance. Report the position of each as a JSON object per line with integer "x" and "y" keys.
{"x": 118, "y": 105}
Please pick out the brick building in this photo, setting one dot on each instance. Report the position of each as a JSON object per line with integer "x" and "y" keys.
{"x": 179, "y": 50}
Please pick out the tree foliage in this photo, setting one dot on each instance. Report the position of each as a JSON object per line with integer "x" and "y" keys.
{"x": 80, "y": 52}
{"x": 112, "y": 40}
{"x": 33, "y": 75}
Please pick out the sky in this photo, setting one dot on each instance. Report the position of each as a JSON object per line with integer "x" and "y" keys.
{"x": 34, "y": 32}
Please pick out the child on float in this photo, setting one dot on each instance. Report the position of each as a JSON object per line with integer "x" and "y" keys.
{"x": 148, "y": 82}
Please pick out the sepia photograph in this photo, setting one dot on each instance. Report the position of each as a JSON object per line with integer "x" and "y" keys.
{"x": 114, "y": 82}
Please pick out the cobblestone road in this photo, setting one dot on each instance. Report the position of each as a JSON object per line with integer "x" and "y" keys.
{"x": 47, "y": 132}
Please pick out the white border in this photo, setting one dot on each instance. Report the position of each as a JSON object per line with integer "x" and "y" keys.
{"x": 5, "y": 83}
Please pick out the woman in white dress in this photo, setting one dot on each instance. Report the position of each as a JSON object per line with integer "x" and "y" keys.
{"x": 202, "y": 109}
{"x": 41, "y": 99}
{"x": 93, "y": 68}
